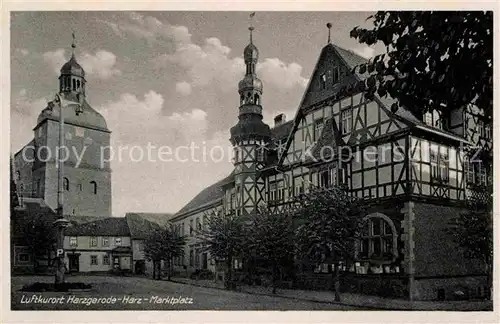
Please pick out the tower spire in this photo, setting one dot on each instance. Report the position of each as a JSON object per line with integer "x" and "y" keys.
{"x": 329, "y": 26}
{"x": 73, "y": 44}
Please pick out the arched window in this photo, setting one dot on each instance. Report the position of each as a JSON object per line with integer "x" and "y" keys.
{"x": 256, "y": 99}
{"x": 77, "y": 84}
{"x": 378, "y": 239}
{"x": 94, "y": 187}
{"x": 66, "y": 184}
{"x": 74, "y": 84}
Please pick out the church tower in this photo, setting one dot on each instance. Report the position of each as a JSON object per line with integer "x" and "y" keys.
{"x": 87, "y": 173}
{"x": 249, "y": 137}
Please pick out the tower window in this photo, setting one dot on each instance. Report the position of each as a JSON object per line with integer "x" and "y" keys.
{"x": 94, "y": 187}
{"x": 66, "y": 184}
{"x": 257, "y": 99}
{"x": 74, "y": 84}
{"x": 78, "y": 84}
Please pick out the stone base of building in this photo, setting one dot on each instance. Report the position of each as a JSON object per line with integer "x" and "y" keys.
{"x": 451, "y": 288}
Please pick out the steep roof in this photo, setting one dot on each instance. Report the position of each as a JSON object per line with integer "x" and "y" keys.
{"x": 141, "y": 224}
{"x": 88, "y": 118}
{"x": 207, "y": 196}
{"x": 282, "y": 130}
{"x": 110, "y": 226}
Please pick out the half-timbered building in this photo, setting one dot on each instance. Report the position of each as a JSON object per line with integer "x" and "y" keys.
{"x": 412, "y": 171}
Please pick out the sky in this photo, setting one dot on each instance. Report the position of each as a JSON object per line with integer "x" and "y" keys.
{"x": 168, "y": 79}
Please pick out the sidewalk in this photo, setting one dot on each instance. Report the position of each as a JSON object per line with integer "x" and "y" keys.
{"x": 349, "y": 299}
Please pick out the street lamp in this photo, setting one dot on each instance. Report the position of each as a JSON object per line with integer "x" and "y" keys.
{"x": 61, "y": 223}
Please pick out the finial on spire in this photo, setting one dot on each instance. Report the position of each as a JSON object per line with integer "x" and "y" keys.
{"x": 329, "y": 26}
{"x": 251, "y": 28}
{"x": 73, "y": 45}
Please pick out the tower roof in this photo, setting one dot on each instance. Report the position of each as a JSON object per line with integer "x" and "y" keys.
{"x": 72, "y": 68}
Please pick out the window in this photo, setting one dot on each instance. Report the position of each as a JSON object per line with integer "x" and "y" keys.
{"x": 93, "y": 185}
{"x": 105, "y": 241}
{"x": 66, "y": 184}
{"x": 191, "y": 227}
{"x": 281, "y": 192}
{"x": 105, "y": 259}
{"x": 260, "y": 154}
{"x": 318, "y": 127}
{"x": 73, "y": 241}
{"x": 182, "y": 229}
{"x": 197, "y": 260}
{"x": 476, "y": 173}
{"x": 93, "y": 260}
{"x": 23, "y": 257}
{"x": 324, "y": 179}
{"x": 298, "y": 186}
{"x": 272, "y": 191}
{"x": 335, "y": 75}
{"x": 93, "y": 241}
{"x": 346, "y": 121}
{"x": 198, "y": 224}
{"x": 341, "y": 176}
{"x": 434, "y": 119}
{"x": 322, "y": 81}
{"x": 487, "y": 131}
{"x": 118, "y": 241}
{"x": 191, "y": 258}
{"x": 439, "y": 166}
{"x": 377, "y": 240}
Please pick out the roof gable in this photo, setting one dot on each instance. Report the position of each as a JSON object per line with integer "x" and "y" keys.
{"x": 111, "y": 226}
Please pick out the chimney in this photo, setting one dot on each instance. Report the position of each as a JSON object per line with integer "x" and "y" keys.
{"x": 279, "y": 119}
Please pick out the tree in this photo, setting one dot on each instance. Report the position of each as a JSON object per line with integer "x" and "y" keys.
{"x": 434, "y": 59}
{"x": 38, "y": 234}
{"x": 163, "y": 244}
{"x": 331, "y": 223}
{"x": 271, "y": 238}
{"x": 473, "y": 229}
{"x": 223, "y": 236}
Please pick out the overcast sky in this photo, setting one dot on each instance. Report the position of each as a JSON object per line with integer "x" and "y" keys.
{"x": 169, "y": 79}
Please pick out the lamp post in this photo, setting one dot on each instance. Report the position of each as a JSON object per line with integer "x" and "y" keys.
{"x": 61, "y": 223}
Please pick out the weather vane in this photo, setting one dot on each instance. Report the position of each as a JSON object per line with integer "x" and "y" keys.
{"x": 251, "y": 28}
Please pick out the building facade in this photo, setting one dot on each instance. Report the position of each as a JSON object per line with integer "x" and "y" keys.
{"x": 87, "y": 173}
{"x": 412, "y": 171}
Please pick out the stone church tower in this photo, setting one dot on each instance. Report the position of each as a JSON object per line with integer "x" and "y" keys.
{"x": 87, "y": 174}
{"x": 249, "y": 137}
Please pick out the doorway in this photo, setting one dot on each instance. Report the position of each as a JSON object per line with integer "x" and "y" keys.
{"x": 204, "y": 261}
{"x": 74, "y": 262}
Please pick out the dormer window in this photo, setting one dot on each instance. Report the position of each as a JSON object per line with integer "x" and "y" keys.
{"x": 434, "y": 119}
{"x": 323, "y": 81}
{"x": 335, "y": 75}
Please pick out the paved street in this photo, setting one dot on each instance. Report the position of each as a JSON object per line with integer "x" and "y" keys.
{"x": 145, "y": 294}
